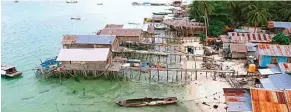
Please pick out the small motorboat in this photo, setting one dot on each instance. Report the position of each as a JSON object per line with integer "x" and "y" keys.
{"x": 75, "y": 18}
{"x": 147, "y": 102}
{"x": 135, "y": 3}
{"x": 71, "y": 1}
{"x": 16, "y": 1}
{"x": 160, "y": 13}
{"x": 99, "y": 3}
{"x": 9, "y": 71}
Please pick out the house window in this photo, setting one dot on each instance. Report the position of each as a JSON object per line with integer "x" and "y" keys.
{"x": 274, "y": 60}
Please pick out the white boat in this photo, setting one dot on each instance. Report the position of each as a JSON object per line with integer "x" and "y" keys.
{"x": 9, "y": 71}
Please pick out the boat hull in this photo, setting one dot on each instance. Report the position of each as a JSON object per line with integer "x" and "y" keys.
{"x": 12, "y": 75}
{"x": 147, "y": 102}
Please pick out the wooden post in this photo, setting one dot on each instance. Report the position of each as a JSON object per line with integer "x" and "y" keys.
{"x": 158, "y": 75}
{"x": 167, "y": 72}
{"x": 196, "y": 75}
{"x": 177, "y": 76}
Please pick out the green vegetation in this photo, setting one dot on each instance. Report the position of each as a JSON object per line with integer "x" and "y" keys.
{"x": 281, "y": 39}
{"x": 239, "y": 13}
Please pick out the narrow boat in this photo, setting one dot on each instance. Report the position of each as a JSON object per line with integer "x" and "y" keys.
{"x": 147, "y": 102}
{"x": 135, "y": 3}
{"x": 71, "y": 1}
{"x": 16, "y": 1}
{"x": 160, "y": 13}
{"x": 9, "y": 71}
{"x": 99, "y": 3}
{"x": 75, "y": 18}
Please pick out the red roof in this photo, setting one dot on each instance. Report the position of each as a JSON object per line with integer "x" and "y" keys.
{"x": 121, "y": 32}
{"x": 238, "y": 48}
{"x": 268, "y": 101}
{"x": 250, "y": 37}
{"x": 274, "y": 50}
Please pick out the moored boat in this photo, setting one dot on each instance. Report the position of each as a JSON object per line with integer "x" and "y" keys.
{"x": 16, "y": 1}
{"x": 9, "y": 71}
{"x": 75, "y": 18}
{"x": 160, "y": 13}
{"x": 147, "y": 102}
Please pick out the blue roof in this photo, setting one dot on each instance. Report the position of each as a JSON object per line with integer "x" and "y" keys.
{"x": 95, "y": 39}
{"x": 281, "y": 81}
{"x": 282, "y": 24}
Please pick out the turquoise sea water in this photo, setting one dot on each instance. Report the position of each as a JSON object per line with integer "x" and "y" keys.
{"x": 33, "y": 30}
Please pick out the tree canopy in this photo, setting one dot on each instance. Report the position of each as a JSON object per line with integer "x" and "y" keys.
{"x": 281, "y": 39}
{"x": 239, "y": 13}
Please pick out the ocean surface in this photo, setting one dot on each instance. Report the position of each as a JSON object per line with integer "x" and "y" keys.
{"x": 33, "y": 30}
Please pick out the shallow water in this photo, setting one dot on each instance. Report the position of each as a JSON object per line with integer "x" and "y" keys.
{"x": 33, "y": 30}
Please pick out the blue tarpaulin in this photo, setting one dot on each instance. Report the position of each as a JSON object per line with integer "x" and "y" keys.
{"x": 281, "y": 59}
{"x": 265, "y": 61}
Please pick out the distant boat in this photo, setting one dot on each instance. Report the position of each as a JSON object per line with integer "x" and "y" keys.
{"x": 161, "y": 13}
{"x": 9, "y": 71}
{"x": 133, "y": 23}
{"x": 16, "y": 1}
{"x": 75, "y": 18}
{"x": 99, "y": 3}
{"x": 135, "y": 3}
{"x": 147, "y": 102}
{"x": 71, "y": 1}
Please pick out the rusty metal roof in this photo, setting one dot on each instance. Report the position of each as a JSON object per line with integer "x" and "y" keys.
{"x": 69, "y": 39}
{"x": 250, "y": 37}
{"x": 268, "y": 101}
{"x": 121, "y": 32}
{"x": 288, "y": 98}
{"x": 238, "y": 48}
{"x": 274, "y": 50}
{"x": 238, "y": 99}
{"x": 113, "y": 26}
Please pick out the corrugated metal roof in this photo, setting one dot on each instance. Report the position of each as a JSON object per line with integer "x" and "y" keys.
{"x": 144, "y": 27}
{"x": 238, "y": 48}
{"x": 94, "y": 54}
{"x": 281, "y": 81}
{"x": 266, "y": 72}
{"x": 114, "y": 26}
{"x": 69, "y": 39}
{"x": 250, "y": 37}
{"x": 268, "y": 101}
{"x": 237, "y": 99}
{"x": 184, "y": 23}
{"x": 282, "y": 24}
{"x": 274, "y": 50}
{"x": 95, "y": 39}
{"x": 285, "y": 68}
{"x": 121, "y": 32}
{"x": 288, "y": 97}
{"x": 267, "y": 84}
{"x": 241, "y": 30}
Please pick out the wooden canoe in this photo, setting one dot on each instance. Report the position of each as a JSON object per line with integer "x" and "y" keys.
{"x": 147, "y": 102}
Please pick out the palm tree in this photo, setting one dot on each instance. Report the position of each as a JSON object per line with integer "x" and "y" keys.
{"x": 285, "y": 11}
{"x": 201, "y": 9}
{"x": 256, "y": 13}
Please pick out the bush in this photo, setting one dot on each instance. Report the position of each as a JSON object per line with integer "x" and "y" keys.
{"x": 281, "y": 39}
